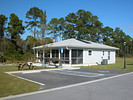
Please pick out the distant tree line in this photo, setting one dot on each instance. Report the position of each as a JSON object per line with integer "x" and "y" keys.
{"x": 84, "y": 25}
{"x": 79, "y": 25}
{"x": 12, "y": 46}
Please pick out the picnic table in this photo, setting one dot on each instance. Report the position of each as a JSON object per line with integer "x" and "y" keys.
{"x": 22, "y": 65}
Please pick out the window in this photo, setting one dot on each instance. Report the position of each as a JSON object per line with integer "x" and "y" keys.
{"x": 108, "y": 55}
{"x": 90, "y": 52}
{"x": 103, "y": 53}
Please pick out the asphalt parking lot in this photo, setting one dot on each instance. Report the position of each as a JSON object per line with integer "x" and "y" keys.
{"x": 58, "y": 78}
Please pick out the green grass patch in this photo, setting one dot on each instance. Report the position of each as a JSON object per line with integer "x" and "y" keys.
{"x": 119, "y": 65}
{"x": 10, "y": 85}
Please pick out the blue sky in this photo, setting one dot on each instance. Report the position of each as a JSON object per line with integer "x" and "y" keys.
{"x": 112, "y": 13}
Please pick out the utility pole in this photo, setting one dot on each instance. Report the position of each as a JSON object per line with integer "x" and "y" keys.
{"x": 124, "y": 55}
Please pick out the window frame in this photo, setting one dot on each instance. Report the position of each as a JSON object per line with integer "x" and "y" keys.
{"x": 90, "y": 52}
{"x": 103, "y": 52}
{"x": 108, "y": 55}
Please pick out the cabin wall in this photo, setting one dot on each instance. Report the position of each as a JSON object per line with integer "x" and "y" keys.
{"x": 97, "y": 56}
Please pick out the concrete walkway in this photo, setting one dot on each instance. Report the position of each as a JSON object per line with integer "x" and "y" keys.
{"x": 118, "y": 87}
{"x": 39, "y": 70}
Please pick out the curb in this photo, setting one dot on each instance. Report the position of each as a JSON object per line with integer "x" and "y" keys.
{"x": 37, "y": 71}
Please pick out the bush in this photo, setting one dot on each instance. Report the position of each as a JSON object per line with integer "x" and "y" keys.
{"x": 2, "y": 59}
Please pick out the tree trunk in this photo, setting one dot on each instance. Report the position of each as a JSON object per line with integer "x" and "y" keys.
{"x": 4, "y": 44}
{"x": 34, "y": 35}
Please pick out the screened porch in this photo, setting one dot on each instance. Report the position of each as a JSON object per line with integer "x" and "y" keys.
{"x": 57, "y": 56}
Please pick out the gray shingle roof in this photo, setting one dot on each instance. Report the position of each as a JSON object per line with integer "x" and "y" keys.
{"x": 74, "y": 43}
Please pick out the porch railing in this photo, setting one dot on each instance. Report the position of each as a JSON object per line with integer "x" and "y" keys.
{"x": 47, "y": 60}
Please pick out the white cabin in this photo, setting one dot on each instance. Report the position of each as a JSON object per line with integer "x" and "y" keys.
{"x": 73, "y": 52}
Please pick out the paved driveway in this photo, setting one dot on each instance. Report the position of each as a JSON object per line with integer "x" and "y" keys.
{"x": 59, "y": 78}
{"x": 119, "y": 87}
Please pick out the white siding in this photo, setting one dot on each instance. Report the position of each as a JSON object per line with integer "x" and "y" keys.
{"x": 97, "y": 56}
{"x": 112, "y": 57}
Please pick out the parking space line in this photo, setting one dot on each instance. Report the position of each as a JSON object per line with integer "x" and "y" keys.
{"x": 76, "y": 73}
{"x": 82, "y": 72}
{"x": 27, "y": 79}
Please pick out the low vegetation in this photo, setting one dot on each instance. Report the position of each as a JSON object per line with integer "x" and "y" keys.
{"x": 10, "y": 85}
{"x": 119, "y": 65}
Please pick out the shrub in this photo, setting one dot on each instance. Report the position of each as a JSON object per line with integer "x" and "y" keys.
{"x": 2, "y": 59}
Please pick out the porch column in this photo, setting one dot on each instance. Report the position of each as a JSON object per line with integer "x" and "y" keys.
{"x": 43, "y": 56}
{"x": 70, "y": 56}
{"x": 37, "y": 53}
{"x": 36, "y": 58}
{"x": 50, "y": 53}
{"x": 59, "y": 53}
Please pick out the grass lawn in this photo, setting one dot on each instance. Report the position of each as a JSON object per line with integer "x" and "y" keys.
{"x": 119, "y": 65}
{"x": 10, "y": 85}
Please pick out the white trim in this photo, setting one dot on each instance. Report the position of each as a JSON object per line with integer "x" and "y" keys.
{"x": 70, "y": 56}
{"x": 37, "y": 53}
{"x": 50, "y": 53}
{"x": 59, "y": 54}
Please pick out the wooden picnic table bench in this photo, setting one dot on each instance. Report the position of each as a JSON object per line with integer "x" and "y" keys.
{"x": 22, "y": 65}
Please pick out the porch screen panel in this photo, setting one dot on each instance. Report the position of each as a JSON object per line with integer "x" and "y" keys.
{"x": 55, "y": 54}
{"x": 74, "y": 56}
{"x": 80, "y": 57}
{"x": 47, "y": 53}
{"x": 77, "y": 56}
{"x": 65, "y": 56}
